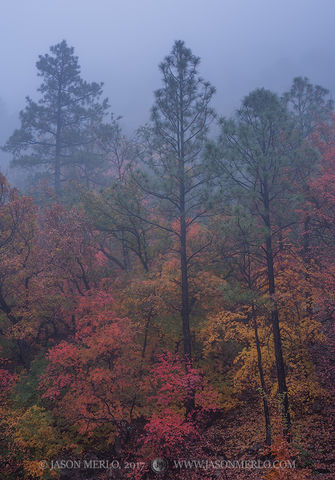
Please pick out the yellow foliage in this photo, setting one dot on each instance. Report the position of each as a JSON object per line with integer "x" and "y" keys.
{"x": 32, "y": 434}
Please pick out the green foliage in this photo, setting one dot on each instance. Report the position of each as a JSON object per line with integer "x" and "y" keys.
{"x": 59, "y": 133}
{"x": 26, "y": 392}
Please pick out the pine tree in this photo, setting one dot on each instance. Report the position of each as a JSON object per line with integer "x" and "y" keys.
{"x": 257, "y": 158}
{"x": 177, "y": 181}
{"x": 309, "y": 105}
{"x": 57, "y": 132}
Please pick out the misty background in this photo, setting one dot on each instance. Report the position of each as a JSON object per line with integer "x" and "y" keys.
{"x": 243, "y": 45}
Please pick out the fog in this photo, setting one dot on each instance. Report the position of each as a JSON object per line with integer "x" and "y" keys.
{"x": 243, "y": 44}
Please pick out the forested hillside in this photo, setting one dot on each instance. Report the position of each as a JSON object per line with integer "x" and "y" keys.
{"x": 167, "y": 302}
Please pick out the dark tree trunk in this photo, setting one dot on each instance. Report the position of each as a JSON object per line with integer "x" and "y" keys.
{"x": 262, "y": 380}
{"x": 185, "y": 302}
{"x": 280, "y": 366}
{"x": 125, "y": 252}
{"x": 58, "y": 145}
{"x": 185, "y": 313}
{"x": 306, "y": 258}
{"x": 185, "y": 305}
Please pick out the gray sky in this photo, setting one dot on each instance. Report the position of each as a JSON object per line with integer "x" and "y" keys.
{"x": 243, "y": 44}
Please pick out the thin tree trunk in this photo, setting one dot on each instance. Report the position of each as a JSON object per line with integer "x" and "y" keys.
{"x": 185, "y": 314}
{"x": 185, "y": 305}
{"x": 306, "y": 258}
{"x": 280, "y": 366}
{"x": 58, "y": 146}
{"x": 262, "y": 380}
{"x": 125, "y": 252}
{"x": 185, "y": 302}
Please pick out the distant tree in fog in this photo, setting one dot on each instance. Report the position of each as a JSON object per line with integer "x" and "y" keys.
{"x": 59, "y": 131}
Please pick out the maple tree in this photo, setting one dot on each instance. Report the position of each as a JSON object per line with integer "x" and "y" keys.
{"x": 82, "y": 371}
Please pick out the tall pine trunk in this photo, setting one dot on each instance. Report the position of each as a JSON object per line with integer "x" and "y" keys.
{"x": 280, "y": 366}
